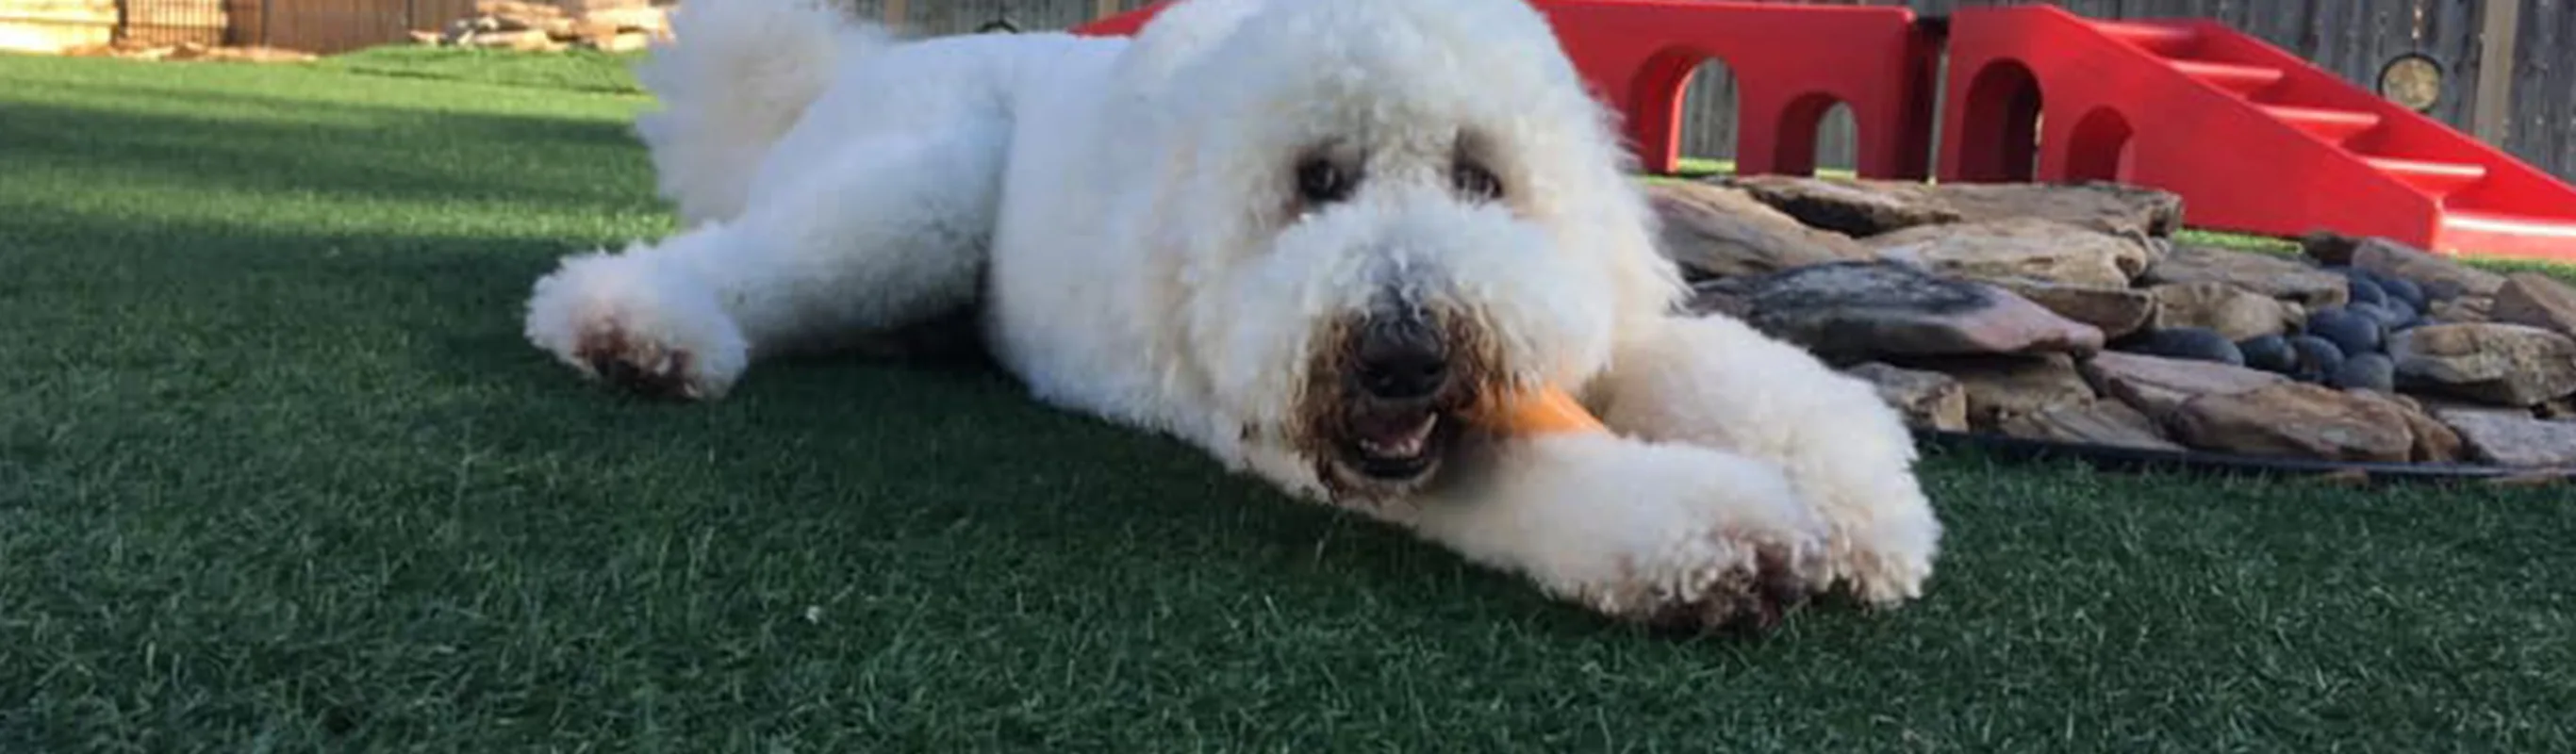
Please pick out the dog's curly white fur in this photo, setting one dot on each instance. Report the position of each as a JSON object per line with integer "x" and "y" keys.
{"x": 1302, "y": 235}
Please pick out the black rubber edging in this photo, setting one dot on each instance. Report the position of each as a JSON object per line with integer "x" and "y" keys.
{"x": 2117, "y": 458}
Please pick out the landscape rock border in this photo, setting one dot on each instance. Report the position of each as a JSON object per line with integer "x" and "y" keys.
{"x": 2071, "y": 320}
{"x": 2124, "y": 458}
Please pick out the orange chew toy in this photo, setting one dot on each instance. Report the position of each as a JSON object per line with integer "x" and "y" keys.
{"x": 1547, "y": 411}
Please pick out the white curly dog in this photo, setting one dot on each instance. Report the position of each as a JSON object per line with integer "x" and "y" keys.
{"x": 1300, "y": 235}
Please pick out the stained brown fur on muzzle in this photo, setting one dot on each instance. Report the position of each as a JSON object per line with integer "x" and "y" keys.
{"x": 1381, "y": 369}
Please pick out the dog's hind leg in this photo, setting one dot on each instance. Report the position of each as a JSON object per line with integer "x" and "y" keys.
{"x": 880, "y": 232}
{"x": 1716, "y": 382}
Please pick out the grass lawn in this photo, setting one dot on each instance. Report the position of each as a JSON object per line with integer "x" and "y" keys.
{"x": 278, "y": 473}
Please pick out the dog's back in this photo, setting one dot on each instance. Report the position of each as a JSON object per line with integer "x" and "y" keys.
{"x": 745, "y": 81}
{"x": 737, "y": 76}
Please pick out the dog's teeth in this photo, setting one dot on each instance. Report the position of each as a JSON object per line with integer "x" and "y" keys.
{"x": 1409, "y": 444}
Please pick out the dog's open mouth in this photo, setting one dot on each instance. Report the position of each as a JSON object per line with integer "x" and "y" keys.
{"x": 1398, "y": 447}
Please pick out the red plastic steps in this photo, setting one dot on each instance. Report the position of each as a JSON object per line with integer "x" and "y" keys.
{"x": 2498, "y": 221}
{"x": 2496, "y": 233}
{"x": 2242, "y": 79}
{"x": 2156, "y": 38}
{"x": 2336, "y": 126}
{"x": 2306, "y": 150}
{"x": 2437, "y": 178}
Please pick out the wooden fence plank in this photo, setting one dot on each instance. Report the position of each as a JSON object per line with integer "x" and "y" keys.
{"x": 2494, "y": 96}
{"x": 2543, "y": 130}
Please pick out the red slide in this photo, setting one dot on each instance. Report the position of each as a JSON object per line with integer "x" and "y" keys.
{"x": 2254, "y": 138}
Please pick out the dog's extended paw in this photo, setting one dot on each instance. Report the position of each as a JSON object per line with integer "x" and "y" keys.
{"x": 616, "y": 321}
{"x": 1860, "y": 479}
{"x": 1734, "y": 578}
{"x": 607, "y": 351}
{"x": 1886, "y": 565}
{"x": 1666, "y": 534}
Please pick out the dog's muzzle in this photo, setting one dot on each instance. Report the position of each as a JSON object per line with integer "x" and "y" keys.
{"x": 1401, "y": 358}
{"x": 1401, "y": 382}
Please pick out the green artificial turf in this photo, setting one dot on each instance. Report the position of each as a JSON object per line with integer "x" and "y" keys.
{"x": 278, "y": 473}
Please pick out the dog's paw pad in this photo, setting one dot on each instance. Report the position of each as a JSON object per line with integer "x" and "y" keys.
{"x": 1735, "y": 593}
{"x": 639, "y": 365}
{"x": 1885, "y": 580}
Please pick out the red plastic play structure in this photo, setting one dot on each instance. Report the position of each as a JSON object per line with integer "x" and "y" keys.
{"x": 1792, "y": 63}
{"x": 2252, "y": 137}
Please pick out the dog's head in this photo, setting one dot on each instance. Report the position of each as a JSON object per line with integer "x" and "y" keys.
{"x": 1381, "y": 212}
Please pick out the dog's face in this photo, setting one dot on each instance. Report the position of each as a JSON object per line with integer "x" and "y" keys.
{"x": 1387, "y": 211}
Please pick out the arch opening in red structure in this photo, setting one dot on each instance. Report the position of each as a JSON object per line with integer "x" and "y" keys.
{"x": 1817, "y": 133}
{"x": 1838, "y": 139}
{"x": 2000, "y": 133}
{"x": 1794, "y": 153}
{"x": 1711, "y": 114}
{"x": 1661, "y": 91}
{"x": 2101, "y": 148}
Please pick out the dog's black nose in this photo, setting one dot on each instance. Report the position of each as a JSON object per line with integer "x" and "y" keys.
{"x": 1402, "y": 358}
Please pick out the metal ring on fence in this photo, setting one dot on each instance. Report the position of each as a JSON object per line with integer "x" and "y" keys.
{"x": 2413, "y": 80}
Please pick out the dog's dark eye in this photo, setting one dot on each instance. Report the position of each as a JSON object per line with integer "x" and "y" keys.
{"x": 1319, "y": 181}
{"x": 1475, "y": 182}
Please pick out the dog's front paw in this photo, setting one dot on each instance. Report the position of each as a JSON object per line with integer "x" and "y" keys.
{"x": 1884, "y": 563}
{"x": 617, "y": 320}
{"x": 1671, "y": 535}
{"x": 609, "y": 350}
{"x": 1723, "y": 578}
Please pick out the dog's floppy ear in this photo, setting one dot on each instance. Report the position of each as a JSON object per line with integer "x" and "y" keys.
{"x": 1175, "y": 227}
{"x": 1608, "y": 212}
{"x": 1193, "y": 229}
{"x": 1200, "y": 214}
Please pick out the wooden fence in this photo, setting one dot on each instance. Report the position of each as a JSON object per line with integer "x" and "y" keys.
{"x": 2527, "y": 106}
